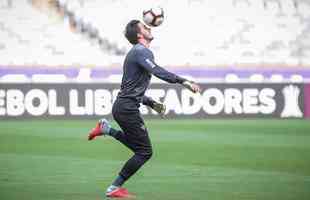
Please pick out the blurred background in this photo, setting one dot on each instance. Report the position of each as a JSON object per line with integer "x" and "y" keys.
{"x": 207, "y": 40}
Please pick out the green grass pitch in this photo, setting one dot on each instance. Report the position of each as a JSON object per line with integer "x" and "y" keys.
{"x": 193, "y": 160}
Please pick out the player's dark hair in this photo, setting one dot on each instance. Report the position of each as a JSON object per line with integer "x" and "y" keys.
{"x": 131, "y": 31}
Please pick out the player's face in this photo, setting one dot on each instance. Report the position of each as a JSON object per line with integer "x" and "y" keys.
{"x": 145, "y": 32}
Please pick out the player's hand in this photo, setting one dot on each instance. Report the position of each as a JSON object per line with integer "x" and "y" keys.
{"x": 192, "y": 86}
{"x": 159, "y": 108}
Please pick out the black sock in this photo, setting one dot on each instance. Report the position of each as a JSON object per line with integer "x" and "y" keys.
{"x": 119, "y": 181}
{"x": 113, "y": 132}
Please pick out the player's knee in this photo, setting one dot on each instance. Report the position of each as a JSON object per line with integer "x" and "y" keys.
{"x": 146, "y": 154}
{"x": 149, "y": 154}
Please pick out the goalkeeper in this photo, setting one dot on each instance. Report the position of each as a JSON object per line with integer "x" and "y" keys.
{"x": 138, "y": 67}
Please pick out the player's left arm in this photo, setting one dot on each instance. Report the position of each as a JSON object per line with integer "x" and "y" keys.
{"x": 145, "y": 59}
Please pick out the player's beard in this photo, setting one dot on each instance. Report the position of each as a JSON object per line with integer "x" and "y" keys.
{"x": 149, "y": 38}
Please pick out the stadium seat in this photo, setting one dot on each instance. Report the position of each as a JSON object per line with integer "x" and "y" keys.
{"x": 232, "y": 78}
{"x": 14, "y": 78}
{"x": 49, "y": 78}
{"x": 276, "y": 78}
{"x": 232, "y": 34}
{"x": 296, "y": 78}
{"x": 257, "y": 78}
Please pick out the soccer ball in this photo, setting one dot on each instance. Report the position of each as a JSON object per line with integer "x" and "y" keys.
{"x": 153, "y": 16}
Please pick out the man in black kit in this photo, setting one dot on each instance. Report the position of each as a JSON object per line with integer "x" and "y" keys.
{"x": 138, "y": 67}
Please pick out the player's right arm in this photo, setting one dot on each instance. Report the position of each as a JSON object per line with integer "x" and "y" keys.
{"x": 145, "y": 59}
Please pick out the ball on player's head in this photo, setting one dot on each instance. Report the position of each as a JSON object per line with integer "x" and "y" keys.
{"x": 153, "y": 16}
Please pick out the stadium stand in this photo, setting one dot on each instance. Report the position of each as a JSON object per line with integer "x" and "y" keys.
{"x": 224, "y": 40}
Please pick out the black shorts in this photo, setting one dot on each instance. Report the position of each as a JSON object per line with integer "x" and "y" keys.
{"x": 135, "y": 135}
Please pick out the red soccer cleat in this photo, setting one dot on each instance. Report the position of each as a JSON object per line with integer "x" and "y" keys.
{"x": 120, "y": 193}
{"x": 103, "y": 127}
{"x": 95, "y": 132}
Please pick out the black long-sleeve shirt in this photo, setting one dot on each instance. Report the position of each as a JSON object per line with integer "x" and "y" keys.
{"x": 138, "y": 67}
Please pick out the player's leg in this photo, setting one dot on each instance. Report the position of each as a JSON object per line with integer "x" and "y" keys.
{"x": 104, "y": 128}
{"x": 134, "y": 136}
{"x": 141, "y": 146}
